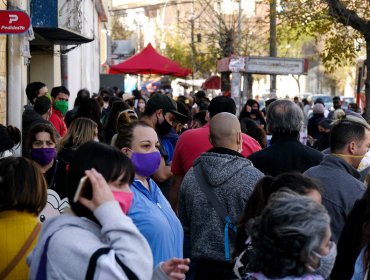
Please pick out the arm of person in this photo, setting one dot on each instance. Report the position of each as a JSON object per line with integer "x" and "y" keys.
{"x": 173, "y": 193}
{"x": 163, "y": 173}
{"x": 126, "y": 242}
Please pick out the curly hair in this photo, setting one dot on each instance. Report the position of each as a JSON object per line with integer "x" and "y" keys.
{"x": 290, "y": 228}
{"x": 264, "y": 188}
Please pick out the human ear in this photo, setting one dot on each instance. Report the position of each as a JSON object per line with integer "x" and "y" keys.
{"x": 125, "y": 151}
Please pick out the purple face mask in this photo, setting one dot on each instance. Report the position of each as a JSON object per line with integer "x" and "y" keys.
{"x": 43, "y": 156}
{"x": 146, "y": 164}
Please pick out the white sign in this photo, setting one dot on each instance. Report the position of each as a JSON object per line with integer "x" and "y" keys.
{"x": 274, "y": 65}
{"x": 237, "y": 64}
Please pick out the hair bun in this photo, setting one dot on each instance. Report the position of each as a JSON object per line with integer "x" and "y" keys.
{"x": 339, "y": 114}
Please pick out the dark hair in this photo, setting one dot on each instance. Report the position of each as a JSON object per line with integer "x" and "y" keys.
{"x": 344, "y": 131}
{"x": 107, "y": 90}
{"x": 183, "y": 109}
{"x": 22, "y": 186}
{"x": 32, "y": 90}
{"x": 243, "y": 112}
{"x": 200, "y": 117}
{"x": 126, "y": 133}
{"x": 41, "y": 127}
{"x": 258, "y": 200}
{"x": 56, "y": 90}
{"x": 9, "y": 137}
{"x": 251, "y": 128}
{"x": 221, "y": 104}
{"x": 337, "y": 98}
{"x": 81, "y": 94}
{"x": 89, "y": 108}
{"x": 117, "y": 107}
{"x": 42, "y": 105}
{"x": 107, "y": 160}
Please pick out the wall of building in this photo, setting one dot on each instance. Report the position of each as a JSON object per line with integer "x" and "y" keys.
{"x": 84, "y": 63}
{"x": 45, "y": 67}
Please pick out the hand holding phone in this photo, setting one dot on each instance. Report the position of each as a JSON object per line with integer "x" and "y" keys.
{"x": 82, "y": 189}
{"x": 101, "y": 191}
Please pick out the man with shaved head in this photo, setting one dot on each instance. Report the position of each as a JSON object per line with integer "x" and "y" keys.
{"x": 231, "y": 178}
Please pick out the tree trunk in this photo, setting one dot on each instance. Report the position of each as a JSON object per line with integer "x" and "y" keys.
{"x": 367, "y": 81}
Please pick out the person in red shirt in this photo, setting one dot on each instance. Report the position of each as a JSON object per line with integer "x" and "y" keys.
{"x": 60, "y": 97}
{"x": 193, "y": 142}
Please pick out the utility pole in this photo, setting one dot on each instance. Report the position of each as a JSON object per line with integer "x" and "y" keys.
{"x": 192, "y": 19}
{"x": 273, "y": 50}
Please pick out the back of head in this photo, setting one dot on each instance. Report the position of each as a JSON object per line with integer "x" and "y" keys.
{"x": 251, "y": 128}
{"x": 284, "y": 116}
{"x": 107, "y": 160}
{"x": 81, "y": 130}
{"x": 89, "y": 108}
{"x": 287, "y": 233}
{"x": 263, "y": 190}
{"x": 32, "y": 90}
{"x": 81, "y": 94}
{"x": 56, "y": 90}
{"x": 42, "y": 105}
{"x": 223, "y": 130}
{"x": 345, "y": 129}
{"x": 22, "y": 186}
{"x": 221, "y": 104}
{"x": 9, "y": 137}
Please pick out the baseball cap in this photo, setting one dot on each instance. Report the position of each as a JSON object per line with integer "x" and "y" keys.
{"x": 164, "y": 102}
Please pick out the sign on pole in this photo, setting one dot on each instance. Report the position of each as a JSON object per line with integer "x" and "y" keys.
{"x": 14, "y": 22}
{"x": 275, "y": 65}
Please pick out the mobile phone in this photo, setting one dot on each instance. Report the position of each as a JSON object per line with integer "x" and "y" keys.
{"x": 84, "y": 189}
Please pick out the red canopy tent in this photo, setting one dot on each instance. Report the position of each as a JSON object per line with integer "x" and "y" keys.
{"x": 149, "y": 61}
{"x": 213, "y": 82}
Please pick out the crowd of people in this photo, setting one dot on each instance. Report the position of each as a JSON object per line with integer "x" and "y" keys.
{"x": 131, "y": 186}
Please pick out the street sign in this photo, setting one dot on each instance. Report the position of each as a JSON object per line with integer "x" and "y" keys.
{"x": 14, "y": 22}
{"x": 275, "y": 65}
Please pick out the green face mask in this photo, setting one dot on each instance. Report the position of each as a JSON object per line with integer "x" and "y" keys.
{"x": 61, "y": 106}
{"x": 48, "y": 95}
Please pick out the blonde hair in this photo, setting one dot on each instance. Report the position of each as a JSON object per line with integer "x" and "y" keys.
{"x": 82, "y": 130}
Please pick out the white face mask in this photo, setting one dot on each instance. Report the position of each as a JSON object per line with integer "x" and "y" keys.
{"x": 96, "y": 139}
{"x": 365, "y": 162}
{"x": 326, "y": 262}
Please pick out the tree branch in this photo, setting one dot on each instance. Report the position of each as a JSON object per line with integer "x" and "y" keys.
{"x": 347, "y": 17}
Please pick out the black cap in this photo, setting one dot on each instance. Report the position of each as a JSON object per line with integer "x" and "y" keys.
{"x": 164, "y": 102}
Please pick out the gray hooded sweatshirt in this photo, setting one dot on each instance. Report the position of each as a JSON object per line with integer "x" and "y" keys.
{"x": 233, "y": 179}
{"x": 74, "y": 240}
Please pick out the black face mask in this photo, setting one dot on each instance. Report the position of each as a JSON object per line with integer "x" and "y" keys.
{"x": 163, "y": 128}
{"x": 255, "y": 112}
{"x": 106, "y": 98}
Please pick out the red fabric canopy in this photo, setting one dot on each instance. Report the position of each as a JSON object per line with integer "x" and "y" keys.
{"x": 149, "y": 61}
{"x": 213, "y": 82}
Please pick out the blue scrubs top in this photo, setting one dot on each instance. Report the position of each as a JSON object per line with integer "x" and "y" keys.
{"x": 153, "y": 216}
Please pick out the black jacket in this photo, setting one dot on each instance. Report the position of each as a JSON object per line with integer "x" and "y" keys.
{"x": 286, "y": 154}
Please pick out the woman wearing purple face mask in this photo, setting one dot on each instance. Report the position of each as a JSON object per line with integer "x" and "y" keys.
{"x": 42, "y": 149}
{"x": 150, "y": 211}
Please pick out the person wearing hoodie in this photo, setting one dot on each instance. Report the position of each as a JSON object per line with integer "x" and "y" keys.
{"x": 96, "y": 240}
{"x": 232, "y": 179}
